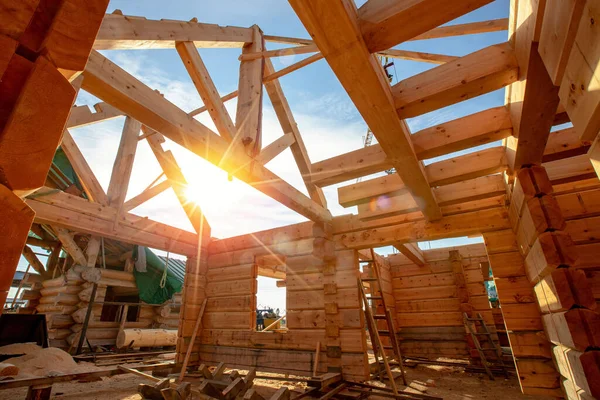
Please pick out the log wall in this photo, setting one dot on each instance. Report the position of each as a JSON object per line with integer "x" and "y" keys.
{"x": 322, "y": 305}
{"x": 428, "y": 308}
{"x": 552, "y": 228}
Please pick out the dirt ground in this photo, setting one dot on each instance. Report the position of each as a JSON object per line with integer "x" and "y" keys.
{"x": 450, "y": 384}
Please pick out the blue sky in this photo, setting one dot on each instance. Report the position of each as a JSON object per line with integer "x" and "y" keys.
{"x": 327, "y": 119}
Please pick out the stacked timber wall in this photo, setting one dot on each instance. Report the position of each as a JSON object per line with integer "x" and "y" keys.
{"x": 428, "y": 301}
{"x": 322, "y": 305}
{"x": 550, "y": 244}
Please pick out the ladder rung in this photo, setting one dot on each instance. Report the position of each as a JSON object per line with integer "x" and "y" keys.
{"x": 475, "y": 319}
{"x": 384, "y": 333}
{"x": 369, "y": 279}
{"x": 483, "y": 333}
{"x": 388, "y": 348}
{"x": 379, "y": 317}
{"x": 374, "y": 298}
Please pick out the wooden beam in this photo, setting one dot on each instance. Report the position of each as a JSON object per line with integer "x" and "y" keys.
{"x": 446, "y": 172}
{"x": 557, "y": 37}
{"x": 86, "y": 176}
{"x": 69, "y": 244}
{"x": 412, "y": 252}
{"x": 207, "y": 90}
{"x": 119, "y": 32}
{"x": 471, "y": 190}
{"x": 417, "y": 56}
{"x": 83, "y": 116}
{"x": 564, "y": 143}
{"x": 334, "y": 26}
{"x": 293, "y": 67}
{"x": 121, "y": 172}
{"x": 92, "y": 251}
{"x": 470, "y": 76}
{"x": 452, "y": 226}
{"x": 460, "y": 134}
{"x": 106, "y": 80}
{"x": 35, "y": 262}
{"x": 594, "y": 154}
{"x": 63, "y": 210}
{"x": 290, "y": 51}
{"x": 579, "y": 89}
{"x": 540, "y": 102}
{"x": 275, "y": 148}
{"x": 248, "y": 116}
{"x": 471, "y": 28}
{"x": 146, "y": 195}
{"x": 385, "y": 24}
{"x": 177, "y": 181}
{"x": 290, "y": 127}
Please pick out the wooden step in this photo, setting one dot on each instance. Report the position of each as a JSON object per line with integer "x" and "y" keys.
{"x": 368, "y": 279}
{"x": 379, "y": 316}
{"x": 375, "y": 298}
{"x": 384, "y": 333}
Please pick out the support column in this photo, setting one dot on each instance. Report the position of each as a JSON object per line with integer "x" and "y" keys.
{"x": 562, "y": 291}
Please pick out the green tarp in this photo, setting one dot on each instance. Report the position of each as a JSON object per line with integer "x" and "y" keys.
{"x": 148, "y": 282}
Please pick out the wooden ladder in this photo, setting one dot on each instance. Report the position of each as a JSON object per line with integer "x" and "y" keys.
{"x": 471, "y": 325}
{"x": 376, "y": 294}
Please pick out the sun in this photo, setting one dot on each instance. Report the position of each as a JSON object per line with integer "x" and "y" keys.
{"x": 212, "y": 191}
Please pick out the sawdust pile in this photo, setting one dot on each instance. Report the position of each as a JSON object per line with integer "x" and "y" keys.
{"x": 51, "y": 361}
{"x": 19, "y": 348}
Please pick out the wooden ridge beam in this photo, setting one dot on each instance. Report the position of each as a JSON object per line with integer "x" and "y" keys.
{"x": 83, "y": 116}
{"x": 467, "y": 77}
{"x": 459, "y": 134}
{"x": 385, "y": 24}
{"x": 121, "y": 32}
{"x": 74, "y": 213}
{"x": 107, "y": 81}
{"x": 334, "y": 27}
{"x": 446, "y": 172}
{"x": 146, "y": 195}
{"x": 465, "y": 224}
{"x": 290, "y": 127}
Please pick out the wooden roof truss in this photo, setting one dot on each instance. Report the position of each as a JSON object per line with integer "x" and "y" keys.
{"x": 542, "y": 77}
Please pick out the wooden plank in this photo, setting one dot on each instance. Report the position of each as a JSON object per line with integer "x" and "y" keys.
{"x": 459, "y": 134}
{"x": 206, "y": 88}
{"x": 126, "y": 32}
{"x": 557, "y": 37}
{"x": 70, "y": 246}
{"x": 290, "y": 127}
{"x": 417, "y": 56}
{"x": 248, "y": 116}
{"x": 146, "y": 195}
{"x": 578, "y": 89}
{"x": 540, "y": 102}
{"x": 288, "y": 51}
{"x": 564, "y": 143}
{"x": 412, "y": 251}
{"x": 82, "y": 115}
{"x": 470, "y": 76}
{"x": 106, "y": 80}
{"x": 91, "y": 186}
{"x": 384, "y": 24}
{"x": 80, "y": 215}
{"x": 123, "y": 165}
{"x": 275, "y": 148}
{"x": 177, "y": 181}
{"x": 334, "y": 27}
{"x": 451, "y": 226}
